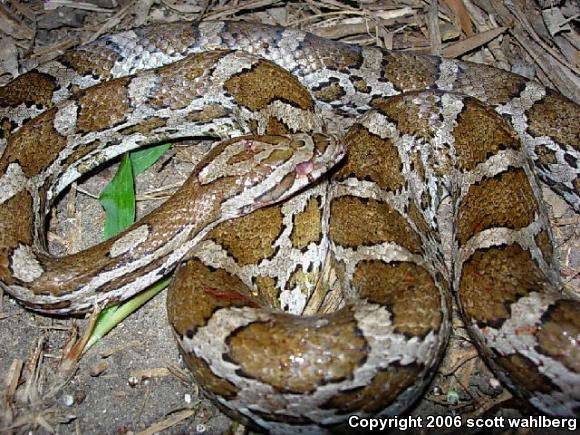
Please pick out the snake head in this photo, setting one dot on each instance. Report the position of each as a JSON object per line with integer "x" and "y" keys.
{"x": 258, "y": 171}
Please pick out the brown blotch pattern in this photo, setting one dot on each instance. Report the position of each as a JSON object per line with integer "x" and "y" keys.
{"x": 35, "y": 145}
{"x": 480, "y": 133}
{"x": 316, "y": 53}
{"x": 96, "y": 63}
{"x": 264, "y": 83}
{"x": 208, "y": 113}
{"x": 267, "y": 288}
{"x": 207, "y": 379}
{"x": 546, "y": 156}
{"x": 380, "y": 392}
{"x": 173, "y": 39}
{"x": 253, "y": 126}
{"x": 410, "y": 118}
{"x": 360, "y": 84}
{"x": 240, "y": 157}
{"x": 425, "y": 200}
{"x": 524, "y": 373}
{"x": 417, "y": 217}
{"x": 329, "y": 92}
{"x": 6, "y": 127}
{"x": 145, "y": 127}
{"x": 408, "y": 72}
{"x": 16, "y": 215}
{"x": 417, "y": 164}
{"x": 307, "y": 225}
{"x": 321, "y": 142}
{"x": 544, "y": 242}
{"x": 506, "y": 200}
{"x": 31, "y": 88}
{"x": 494, "y": 278}
{"x": 302, "y": 279}
{"x": 250, "y": 238}
{"x": 559, "y": 333}
{"x": 276, "y": 155}
{"x": 180, "y": 82}
{"x": 103, "y": 106}
{"x": 372, "y": 158}
{"x": 489, "y": 84}
{"x": 189, "y": 305}
{"x": 557, "y": 117}
{"x": 407, "y": 289}
{"x": 376, "y": 222}
{"x": 297, "y": 354}
{"x": 276, "y": 126}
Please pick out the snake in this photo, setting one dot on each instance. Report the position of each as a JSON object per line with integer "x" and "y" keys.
{"x": 351, "y": 193}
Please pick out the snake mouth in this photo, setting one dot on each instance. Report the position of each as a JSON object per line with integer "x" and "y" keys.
{"x": 304, "y": 174}
{"x": 314, "y": 168}
{"x": 306, "y": 169}
{"x": 322, "y": 162}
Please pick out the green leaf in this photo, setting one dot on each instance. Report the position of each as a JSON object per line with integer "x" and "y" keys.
{"x": 118, "y": 199}
{"x": 115, "y": 314}
{"x": 142, "y": 159}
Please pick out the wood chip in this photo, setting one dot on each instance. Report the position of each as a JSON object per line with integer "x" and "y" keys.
{"x": 168, "y": 422}
{"x": 458, "y": 48}
{"x": 156, "y": 372}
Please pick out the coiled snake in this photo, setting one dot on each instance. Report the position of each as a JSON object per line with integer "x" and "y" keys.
{"x": 437, "y": 194}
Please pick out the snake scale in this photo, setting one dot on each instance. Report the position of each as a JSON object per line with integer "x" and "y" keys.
{"x": 437, "y": 195}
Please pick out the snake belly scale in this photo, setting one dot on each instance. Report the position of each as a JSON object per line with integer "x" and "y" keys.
{"x": 437, "y": 195}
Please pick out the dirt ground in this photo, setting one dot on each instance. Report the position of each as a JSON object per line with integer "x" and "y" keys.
{"x": 133, "y": 381}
